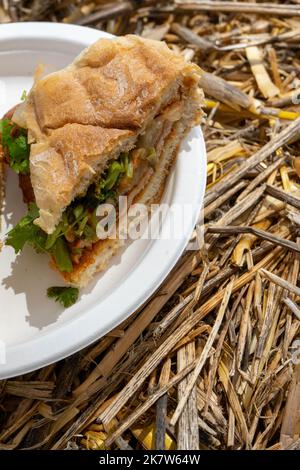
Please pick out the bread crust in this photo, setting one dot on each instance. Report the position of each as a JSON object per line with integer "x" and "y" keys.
{"x": 89, "y": 112}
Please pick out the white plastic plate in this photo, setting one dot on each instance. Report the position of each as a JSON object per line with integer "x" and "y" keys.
{"x": 36, "y": 331}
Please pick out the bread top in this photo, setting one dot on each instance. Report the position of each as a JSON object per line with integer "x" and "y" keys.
{"x": 81, "y": 116}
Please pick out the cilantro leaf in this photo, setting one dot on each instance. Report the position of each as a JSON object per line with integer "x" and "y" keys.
{"x": 27, "y": 232}
{"x": 66, "y": 296}
{"x": 14, "y": 141}
{"x": 104, "y": 188}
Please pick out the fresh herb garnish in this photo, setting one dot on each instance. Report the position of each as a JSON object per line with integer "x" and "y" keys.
{"x": 27, "y": 232}
{"x": 14, "y": 142}
{"x": 62, "y": 256}
{"x": 24, "y": 95}
{"x": 66, "y": 296}
{"x": 104, "y": 188}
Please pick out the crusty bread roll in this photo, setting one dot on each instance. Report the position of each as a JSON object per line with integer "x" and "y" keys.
{"x": 80, "y": 118}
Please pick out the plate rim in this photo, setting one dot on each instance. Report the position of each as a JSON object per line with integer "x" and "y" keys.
{"x": 14, "y": 366}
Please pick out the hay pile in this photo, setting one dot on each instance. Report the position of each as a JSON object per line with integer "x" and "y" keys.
{"x": 212, "y": 361}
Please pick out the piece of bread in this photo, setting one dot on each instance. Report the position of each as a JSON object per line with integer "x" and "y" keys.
{"x": 82, "y": 116}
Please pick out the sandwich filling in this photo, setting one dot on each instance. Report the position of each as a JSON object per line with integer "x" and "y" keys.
{"x": 76, "y": 233}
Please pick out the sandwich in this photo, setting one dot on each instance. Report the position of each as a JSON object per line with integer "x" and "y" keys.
{"x": 110, "y": 124}
{"x": 2, "y": 184}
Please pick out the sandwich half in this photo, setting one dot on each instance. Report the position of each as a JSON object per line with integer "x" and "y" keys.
{"x": 109, "y": 124}
{"x": 2, "y": 181}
